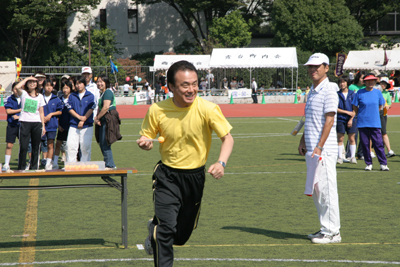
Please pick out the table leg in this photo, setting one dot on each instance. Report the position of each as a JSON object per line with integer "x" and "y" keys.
{"x": 124, "y": 211}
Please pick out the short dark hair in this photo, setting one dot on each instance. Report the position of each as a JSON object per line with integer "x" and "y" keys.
{"x": 68, "y": 84}
{"x": 358, "y": 76}
{"x": 13, "y": 85}
{"x": 47, "y": 81}
{"x": 105, "y": 79}
{"x": 80, "y": 79}
{"x": 344, "y": 78}
{"x": 182, "y": 65}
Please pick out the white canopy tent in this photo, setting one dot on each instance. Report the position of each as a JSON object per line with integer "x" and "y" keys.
{"x": 8, "y": 72}
{"x": 163, "y": 62}
{"x": 251, "y": 58}
{"x": 372, "y": 60}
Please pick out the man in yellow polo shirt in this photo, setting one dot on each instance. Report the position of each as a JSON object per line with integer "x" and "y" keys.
{"x": 186, "y": 122}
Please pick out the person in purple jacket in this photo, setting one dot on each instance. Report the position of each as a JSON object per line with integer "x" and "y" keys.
{"x": 80, "y": 105}
{"x": 51, "y": 110}
{"x": 13, "y": 110}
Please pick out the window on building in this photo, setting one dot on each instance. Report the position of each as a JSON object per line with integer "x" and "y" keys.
{"x": 132, "y": 21}
{"x": 389, "y": 23}
{"x": 103, "y": 18}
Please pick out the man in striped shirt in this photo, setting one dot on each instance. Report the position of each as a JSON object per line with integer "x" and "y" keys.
{"x": 319, "y": 144}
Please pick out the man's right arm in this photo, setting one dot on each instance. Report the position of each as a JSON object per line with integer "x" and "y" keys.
{"x": 145, "y": 145}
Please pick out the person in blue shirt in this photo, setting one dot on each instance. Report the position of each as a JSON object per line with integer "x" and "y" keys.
{"x": 63, "y": 122}
{"x": 13, "y": 110}
{"x": 345, "y": 120}
{"x": 51, "y": 110}
{"x": 80, "y": 105}
{"x": 367, "y": 103}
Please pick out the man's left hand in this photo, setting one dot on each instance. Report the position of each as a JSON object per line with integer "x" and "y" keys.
{"x": 216, "y": 170}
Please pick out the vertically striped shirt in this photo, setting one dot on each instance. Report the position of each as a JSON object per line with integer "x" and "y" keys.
{"x": 321, "y": 100}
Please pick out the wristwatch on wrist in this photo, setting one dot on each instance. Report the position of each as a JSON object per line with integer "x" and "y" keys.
{"x": 222, "y": 163}
{"x": 320, "y": 148}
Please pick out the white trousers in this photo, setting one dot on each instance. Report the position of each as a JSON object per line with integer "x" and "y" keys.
{"x": 325, "y": 195}
{"x": 79, "y": 137}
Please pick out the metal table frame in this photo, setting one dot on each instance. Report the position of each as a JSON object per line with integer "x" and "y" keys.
{"x": 104, "y": 174}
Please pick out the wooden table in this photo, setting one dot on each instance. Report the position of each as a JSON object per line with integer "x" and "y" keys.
{"x": 104, "y": 174}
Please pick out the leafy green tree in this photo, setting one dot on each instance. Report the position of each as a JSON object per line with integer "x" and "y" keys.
{"x": 366, "y": 12}
{"x": 231, "y": 30}
{"x": 103, "y": 45}
{"x": 198, "y": 15}
{"x": 315, "y": 25}
{"x": 25, "y": 24}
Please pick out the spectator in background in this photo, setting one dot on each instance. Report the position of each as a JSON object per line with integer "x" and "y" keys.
{"x": 367, "y": 103}
{"x": 91, "y": 86}
{"x": 63, "y": 79}
{"x": 298, "y": 93}
{"x": 80, "y": 105}
{"x": 32, "y": 121}
{"x": 358, "y": 82}
{"x": 346, "y": 123}
{"x": 224, "y": 84}
{"x": 383, "y": 114}
{"x": 234, "y": 84}
{"x": 13, "y": 109}
{"x": 254, "y": 91}
{"x": 203, "y": 85}
{"x": 40, "y": 76}
{"x": 396, "y": 78}
{"x": 157, "y": 92}
{"x": 72, "y": 80}
{"x": 2, "y": 89}
{"x": 210, "y": 79}
{"x": 107, "y": 107}
{"x": 63, "y": 123}
{"x": 241, "y": 83}
{"x": 52, "y": 110}
{"x": 126, "y": 89}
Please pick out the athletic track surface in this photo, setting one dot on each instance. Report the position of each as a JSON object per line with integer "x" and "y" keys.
{"x": 231, "y": 110}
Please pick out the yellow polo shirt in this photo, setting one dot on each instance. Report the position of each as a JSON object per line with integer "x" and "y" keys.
{"x": 187, "y": 131}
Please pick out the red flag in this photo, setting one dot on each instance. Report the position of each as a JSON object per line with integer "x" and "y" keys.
{"x": 385, "y": 60}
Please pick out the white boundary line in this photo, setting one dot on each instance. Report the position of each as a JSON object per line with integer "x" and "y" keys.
{"x": 199, "y": 259}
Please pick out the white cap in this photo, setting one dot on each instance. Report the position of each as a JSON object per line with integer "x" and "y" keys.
{"x": 65, "y": 76}
{"x": 86, "y": 70}
{"x": 385, "y": 79}
{"x": 38, "y": 75}
{"x": 146, "y": 84}
{"x": 317, "y": 59}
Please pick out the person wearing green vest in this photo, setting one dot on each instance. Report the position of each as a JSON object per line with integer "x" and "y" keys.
{"x": 358, "y": 82}
{"x": 298, "y": 93}
{"x": 383, "y": 113}
{"x": 106, "y": 104}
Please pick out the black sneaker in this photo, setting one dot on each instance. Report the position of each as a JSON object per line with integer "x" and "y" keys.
{"x": 147, "y": 243}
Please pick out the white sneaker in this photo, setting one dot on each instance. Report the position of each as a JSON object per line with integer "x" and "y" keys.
{"x": 27, "y": 166}
{"x": 5, "y": 168}
{"x": 390, "y": 154}
{"x": 49, "y": 166}
{"x": 373, "y": 154}
{"x": 368, "y": 168}
{"x": 326, "y": 239}
{"x": 345, "y": 160}
{"x": 147, "y": 243}
{"x": 55, "y": 166}
{"x": 353, "y": 160}
{"x": 339, "y": 161}
{"x": 314, "y": 235}
{"x": 384, "y": 168}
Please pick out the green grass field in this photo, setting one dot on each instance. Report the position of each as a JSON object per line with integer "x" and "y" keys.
{"x": 256, "y": 215}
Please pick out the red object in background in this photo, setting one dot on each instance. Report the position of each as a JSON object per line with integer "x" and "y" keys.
{"x": 127, "y": 79}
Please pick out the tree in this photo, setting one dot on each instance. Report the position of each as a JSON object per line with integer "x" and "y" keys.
{"x": 367, "y": 12}
{"x": 24, "y": 24}
{"x": 198, "y": 15}
{"x": 231, "y": 30}
{"x": 103, "y": 44}
{"x": 315, "y": 25}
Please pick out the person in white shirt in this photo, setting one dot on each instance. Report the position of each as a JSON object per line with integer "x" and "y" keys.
{"x": 254, "y": 91}
{"x": 319, "y": 144}
{"x": 91, "y": 86}
{"x": 32, "y": 121}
